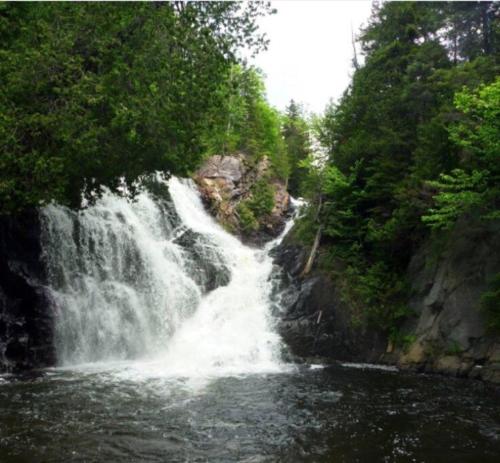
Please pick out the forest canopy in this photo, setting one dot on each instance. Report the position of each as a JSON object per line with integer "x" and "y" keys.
{"x": 96, "y": 94}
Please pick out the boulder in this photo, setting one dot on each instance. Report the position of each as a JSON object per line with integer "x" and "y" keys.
{"x": 207, "y": 267}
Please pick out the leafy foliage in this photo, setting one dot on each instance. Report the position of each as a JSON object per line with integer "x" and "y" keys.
{"x": 247, "y": 218}
{"x": 246, "y": 122}
{"x": 412, "y": 142}
{"x": 93, "y": 93}
{"x": 296, "y": 137}
{"x": 259, "y": 204}
{"x": 262, "y": 199}
{"x": 476, "y": 185}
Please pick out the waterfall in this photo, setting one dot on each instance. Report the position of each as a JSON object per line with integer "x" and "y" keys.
{"x": 157, "y": 279}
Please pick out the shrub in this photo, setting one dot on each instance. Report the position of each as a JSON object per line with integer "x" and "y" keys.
{"x": 248, "y": 222}
{"x": 262, "y": 199}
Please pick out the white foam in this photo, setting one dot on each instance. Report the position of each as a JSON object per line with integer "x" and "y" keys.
{"x": 369, "y": 366}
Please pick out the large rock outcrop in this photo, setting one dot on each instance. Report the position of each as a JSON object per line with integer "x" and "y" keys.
{"x": 26, "y": 328}
{"x": 448, "y": 331}
{"x": 226, "y": 181}
{"x": 316, "y": 324}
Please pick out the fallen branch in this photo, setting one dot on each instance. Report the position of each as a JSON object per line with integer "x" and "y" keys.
{"x": 312, "y": 255}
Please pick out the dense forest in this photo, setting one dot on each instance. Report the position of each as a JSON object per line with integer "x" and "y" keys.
{"x": 412, "y": 149}
{"x": 188, "y": 273}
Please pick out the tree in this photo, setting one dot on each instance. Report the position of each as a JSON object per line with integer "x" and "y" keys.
{"x": 296, "y": 137}
{"x": 97, "y": 94}
{"x": 246, "y": 122}
{"x": 476, "y": 184}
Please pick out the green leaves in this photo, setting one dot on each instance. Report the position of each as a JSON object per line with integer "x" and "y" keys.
{"x": 478, "y": 132}
{"x": 490, "y": 304}
{"x": 458, "y": 193}
{"x": 92, "y": 93}
{"x": 296, "y": 137}
{"x": 476, "y": 185}
{"x": 244, "y": 121}
{"x": 259, "y": 204}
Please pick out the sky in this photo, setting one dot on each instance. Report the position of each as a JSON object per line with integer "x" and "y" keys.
{"x": 310, "y": 54}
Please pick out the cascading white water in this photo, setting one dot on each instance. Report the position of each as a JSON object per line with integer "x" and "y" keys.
{"x": 158, "y": 279}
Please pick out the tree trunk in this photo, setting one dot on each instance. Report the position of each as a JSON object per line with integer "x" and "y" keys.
{"x": 312, "y": 255}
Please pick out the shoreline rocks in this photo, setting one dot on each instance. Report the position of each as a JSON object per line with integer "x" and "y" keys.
{"x": 448, "y": 331}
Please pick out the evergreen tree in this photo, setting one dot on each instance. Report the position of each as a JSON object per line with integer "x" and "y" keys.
{"x": 296, "y": 136}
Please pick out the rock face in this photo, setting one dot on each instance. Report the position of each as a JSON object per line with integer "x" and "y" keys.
{"x": 317, "y": 323}
{"x": 211, "y": 272}
{"x": 448, "y": 330}
{"x": 225, "y": 181}
{"x": 25, "y": 316}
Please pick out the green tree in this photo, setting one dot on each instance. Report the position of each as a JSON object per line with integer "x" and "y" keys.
{"x": 296, "y": 136}
{"x": 476, "y": 184}
{"x": 246, "y": 122}
{"x": 96, "y": 94}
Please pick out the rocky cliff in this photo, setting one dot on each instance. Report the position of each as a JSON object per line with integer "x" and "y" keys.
{"x": 227, "y": 183}
{"x": 447, "y": 333}
{"x": 316, "y": 324}
{"x": 449, "y": 328}
{"x": 25, "y": 315}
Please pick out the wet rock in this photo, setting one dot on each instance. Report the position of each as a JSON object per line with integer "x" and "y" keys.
{"x": 207, "y": 267}
{"x": 315, "y": 322}
{"x": 449, "y": 328}
{"x": 26, "y": 326}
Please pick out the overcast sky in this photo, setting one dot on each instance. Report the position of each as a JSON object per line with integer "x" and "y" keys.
{"x": 310, "y": 55}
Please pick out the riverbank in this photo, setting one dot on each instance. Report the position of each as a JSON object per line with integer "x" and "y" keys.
{"x": 446, "y": 331}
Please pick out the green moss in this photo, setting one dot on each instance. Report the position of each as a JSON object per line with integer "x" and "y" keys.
{"x": 229, "y": 227}
{"x": 402, "y": 340}
{"x": 454, "y": 348}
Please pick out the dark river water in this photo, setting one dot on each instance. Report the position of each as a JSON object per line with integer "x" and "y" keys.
{"x": 335, "y": 414}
